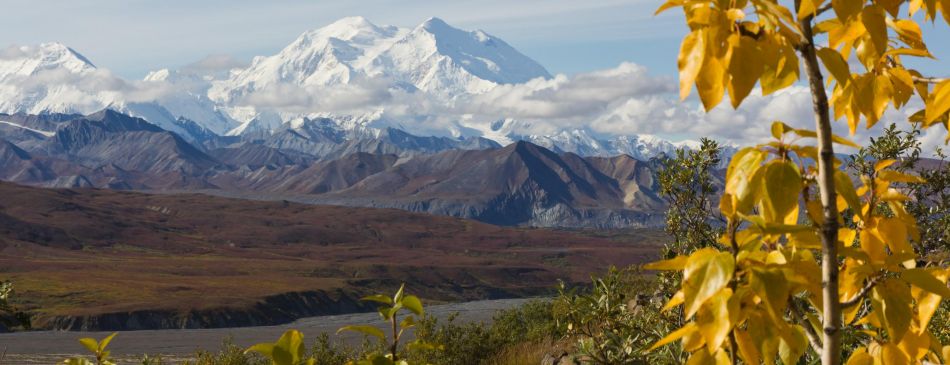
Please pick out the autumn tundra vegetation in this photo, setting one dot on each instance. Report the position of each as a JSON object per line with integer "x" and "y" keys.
{"x": 796, "y": 255}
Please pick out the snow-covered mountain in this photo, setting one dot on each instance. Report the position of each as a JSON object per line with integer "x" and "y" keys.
{"x": 53, "y": 78}
{"x": 349, "y": 61}
{"x": 433, "y": 57}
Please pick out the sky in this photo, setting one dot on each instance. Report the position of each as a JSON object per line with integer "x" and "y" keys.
{"x": 594, "y": 45}
{"x": 132, "y": 37}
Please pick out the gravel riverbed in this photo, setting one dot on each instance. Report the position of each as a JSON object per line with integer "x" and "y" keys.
{"x": 49, "y": 347}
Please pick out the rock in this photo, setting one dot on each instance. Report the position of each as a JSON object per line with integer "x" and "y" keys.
{"x": 563, "y": 358}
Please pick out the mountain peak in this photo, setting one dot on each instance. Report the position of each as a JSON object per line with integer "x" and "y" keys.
{"x": 30, "y": 60}
{"x": 434, "y": 23}
{"x": 352, "y": 21}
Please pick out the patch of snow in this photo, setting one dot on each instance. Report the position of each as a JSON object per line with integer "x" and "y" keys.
{"x": 45, "y": 133}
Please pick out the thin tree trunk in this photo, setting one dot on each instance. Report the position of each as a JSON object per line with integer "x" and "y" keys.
{"x": 831, "y": 316}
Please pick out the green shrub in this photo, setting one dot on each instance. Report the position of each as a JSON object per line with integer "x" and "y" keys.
{"x": 617, "y": 319}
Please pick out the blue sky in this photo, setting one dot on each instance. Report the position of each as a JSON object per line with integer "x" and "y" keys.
{"x": 131, "y": 37}
{"x": 584, "y": 39}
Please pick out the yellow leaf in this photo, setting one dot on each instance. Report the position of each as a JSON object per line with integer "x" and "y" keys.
{"x": 772, "y": 287}
{"x": 860, "y": 357}
{"x": 883, "y": 164}
{"x": 701, "y": 357}
{"x": 891, "y": 6}
{"x": 747, "y": 349}
{"x": 940, "y": 103}
{"x": 923, "y": 279}
{"x": 676, "y": 300}
{"x": 745, "y": 68}
{"x": 677, "y": 263}
{"x": 894, "y": 176}
{"x": 781, "y": 187}
{"x": 836, "y": 65}
{"x": 909, "y": 52}
{"x": 846, "y": 9}
{"x": 892, "y": 303}
{"x": 928, "y": 302}
{"x": 793, "y": 345}
{"x": 915, "y": 344}
{"x": 894, "y": 234}
{"x": 780, "y": 65}
{"x": 713, "y": 319}
{"x": 706, "y": 272}
{"x": 873, "y": 19}
{"x": 844, "y": 187}
{"x": 946, "y": 353}
{"x": 735, "y": 14}
{"x": 711, "y": 81}
{"x": 692, "y": 51}
{"x": 765, "y": 336}
{"x": 807, "y": 8}
{"x": 667, "y": 5}
{"x": 909, "y": 32}
{"x": 675, "y": 335}
{"x": 872, "y": 245}
{"x": 727, "y": 205}
{"x": 883, "y": 90}
{"x": 892, "y": 355}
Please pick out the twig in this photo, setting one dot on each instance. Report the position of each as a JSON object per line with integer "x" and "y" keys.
{"x": 864, "y": 291}
{"x": 929, "y": 80}
{"x": 809, "y": 330}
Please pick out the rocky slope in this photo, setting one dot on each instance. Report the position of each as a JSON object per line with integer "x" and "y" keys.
{"x": 520, "y": 184}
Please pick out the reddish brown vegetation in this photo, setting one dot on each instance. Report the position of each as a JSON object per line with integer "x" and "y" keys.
{"x": 87, "y": 252}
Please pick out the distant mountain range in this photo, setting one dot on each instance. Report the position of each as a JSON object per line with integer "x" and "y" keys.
{"x": 277, "y": 130}
{"x": 519, "y": 184}
{"x": 351, "y": 61}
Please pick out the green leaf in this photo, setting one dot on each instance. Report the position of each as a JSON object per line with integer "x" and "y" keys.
{"x": 399, "y": 293}
{"x": 291, "y": 344}
{"x": 366, "y": 330}
{"x": 387, "y": 312}
{"x": 413, "y": 304}
{"x": 378, "y": 298}
{"x": 407, "y": 322}
{"x": 265, "y": 349}
{"x": 90, "y": 344}
{"x": 923, "y": 279}
{"x": 707, "y": 271}
{"x": 105, "y": 341}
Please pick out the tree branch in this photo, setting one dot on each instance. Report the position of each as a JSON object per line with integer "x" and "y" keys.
{"x": 823, "y": 9}
{"x": 929, "y": 80}
{"x": 861, "y": 294}
{"x": 813, "y": 338}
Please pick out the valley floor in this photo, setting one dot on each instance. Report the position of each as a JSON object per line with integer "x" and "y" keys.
{"x": 47, "y": 347}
